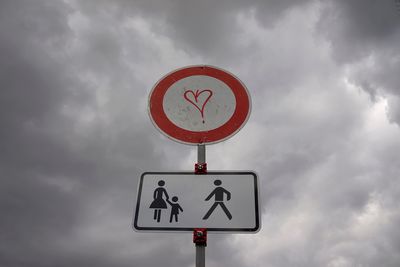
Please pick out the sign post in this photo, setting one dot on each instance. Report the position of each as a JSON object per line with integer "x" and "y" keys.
{"x": 200, "y": 235}
{"x": 198, "y": 105}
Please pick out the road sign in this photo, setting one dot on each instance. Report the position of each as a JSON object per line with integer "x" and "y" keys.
{"x": 182, "y": 201}
{"x": 199, "y": 105}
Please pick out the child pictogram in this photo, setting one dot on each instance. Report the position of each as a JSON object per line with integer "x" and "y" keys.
{"x": 175, "y": 208}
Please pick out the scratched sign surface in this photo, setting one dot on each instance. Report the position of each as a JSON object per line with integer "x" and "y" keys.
{"x": 199, "y": 104}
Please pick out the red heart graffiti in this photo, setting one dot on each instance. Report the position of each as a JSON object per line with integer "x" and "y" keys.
{"x": 193, "y": 98}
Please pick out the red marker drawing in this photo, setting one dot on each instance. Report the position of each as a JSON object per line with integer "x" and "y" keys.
{"x": 194, "y": 98}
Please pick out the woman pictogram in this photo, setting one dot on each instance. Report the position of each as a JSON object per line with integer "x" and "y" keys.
{"x": 159, "y": 203}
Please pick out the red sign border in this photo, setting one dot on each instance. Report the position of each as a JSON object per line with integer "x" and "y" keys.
{"x": 225, "y": 131}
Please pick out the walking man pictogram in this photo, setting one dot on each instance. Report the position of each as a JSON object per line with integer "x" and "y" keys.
{"x": 218, "y": 192}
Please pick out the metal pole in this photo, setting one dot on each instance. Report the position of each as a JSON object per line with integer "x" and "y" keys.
{"x": 201, "y": 153}
{"x": 201, "y": 248}
{"x": 200, "y": 255}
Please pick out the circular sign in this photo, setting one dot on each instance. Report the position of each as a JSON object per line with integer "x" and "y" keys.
{"x": 199, "y": 105}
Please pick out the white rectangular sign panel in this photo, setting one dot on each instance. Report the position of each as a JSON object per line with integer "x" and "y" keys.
{"x": 182, "y": 201}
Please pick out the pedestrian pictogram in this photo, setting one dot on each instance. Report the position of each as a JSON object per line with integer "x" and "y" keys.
{"x": 159, "y": 203}
{"x": 160, "y": 200}
{"x": 183, "y": 201}
{"x": 218, "y": 193}
{"x": 175, "y": 208}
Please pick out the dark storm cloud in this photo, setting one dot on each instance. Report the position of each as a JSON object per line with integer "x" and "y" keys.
{"x": 33, "y": 211}
{"x": 365, "y": 34}
{"x": 209, "y": 28}
{"x": 356, "y": 28}
{"x": 75, "y": 135}
{"x": 50, "y": 166}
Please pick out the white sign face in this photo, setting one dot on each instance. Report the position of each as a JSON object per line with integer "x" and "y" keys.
{"x": 199, "y": 103}
{"x": 182, "y": 201}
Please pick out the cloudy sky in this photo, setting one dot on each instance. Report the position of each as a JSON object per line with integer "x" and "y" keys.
{"x": 323, "y": 135}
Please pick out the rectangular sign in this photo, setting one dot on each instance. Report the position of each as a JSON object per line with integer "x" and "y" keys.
{"x": 182, "y": 201}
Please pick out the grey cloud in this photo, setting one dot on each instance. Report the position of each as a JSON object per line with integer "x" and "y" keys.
{"x": 75, "y": 135}
{"x": 212, "y": 28}
{"x": 357, "y": 28}
{"x": 209, "y": 28}
{"x": 34, "y": 212}
{"x": 50, "y": 166}
{"x": 366, "y": 31}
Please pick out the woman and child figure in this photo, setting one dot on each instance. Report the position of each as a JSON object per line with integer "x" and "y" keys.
{"x": 159, "y": 203}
